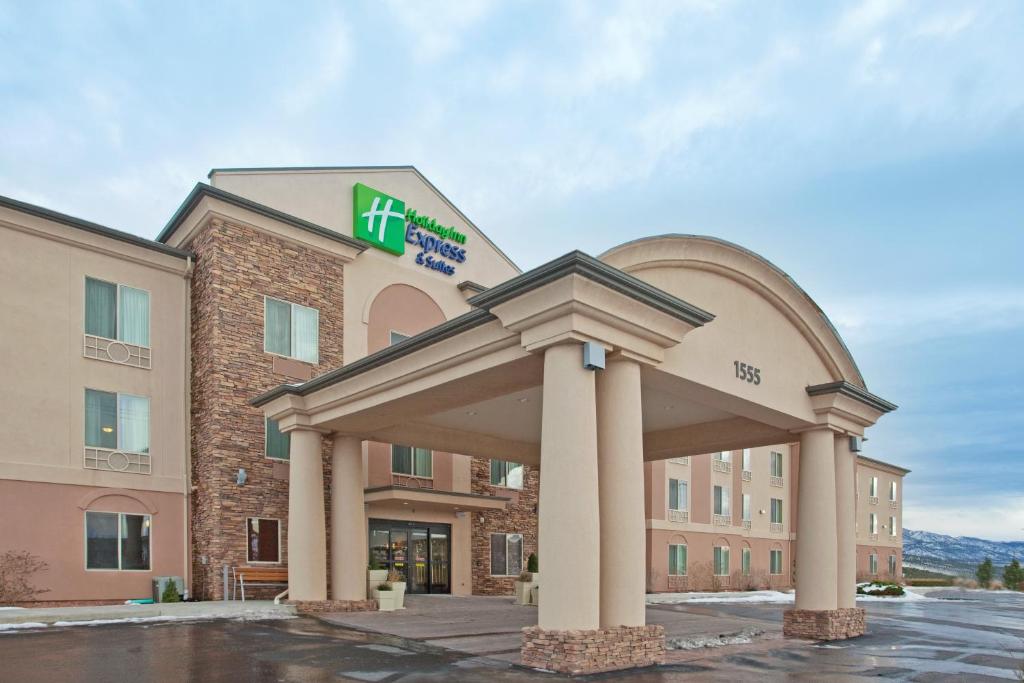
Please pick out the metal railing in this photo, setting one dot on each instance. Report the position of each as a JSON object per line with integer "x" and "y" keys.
{"x": 777, "y": 482}
{"x": 113, "y": 351}
{"x": 114, "y": 460}
{"x": 775, "y": 527}
{"x": 873, "y": 500}
{"x": 721, "y": 520}
{"x": 685, "y": 460}
{"x": 721, "y": 466}
{"x": 746, "y": 475}
{"x": 411, "y": 482}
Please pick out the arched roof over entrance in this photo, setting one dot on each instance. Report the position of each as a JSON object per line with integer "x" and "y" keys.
{"x": 714, "y": 274}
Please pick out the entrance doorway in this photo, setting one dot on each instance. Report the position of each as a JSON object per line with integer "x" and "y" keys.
{"x": 418, "y": 551}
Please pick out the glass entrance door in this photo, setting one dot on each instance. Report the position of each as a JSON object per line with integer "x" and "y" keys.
{"x": 421, "y": 553}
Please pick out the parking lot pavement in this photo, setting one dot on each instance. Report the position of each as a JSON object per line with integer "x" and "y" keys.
{"x": 977, "y": 639}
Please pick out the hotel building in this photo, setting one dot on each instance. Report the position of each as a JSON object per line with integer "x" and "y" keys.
{"x": 320, "y": 367}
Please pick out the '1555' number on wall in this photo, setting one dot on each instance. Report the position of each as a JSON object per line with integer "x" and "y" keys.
{"x": 747, "y": 372}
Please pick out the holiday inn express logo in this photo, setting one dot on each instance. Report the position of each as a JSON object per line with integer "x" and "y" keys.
{"x": 379, "y": 219}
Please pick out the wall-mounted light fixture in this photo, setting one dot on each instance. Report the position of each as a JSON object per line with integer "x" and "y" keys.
{"x": 593, "y": 356}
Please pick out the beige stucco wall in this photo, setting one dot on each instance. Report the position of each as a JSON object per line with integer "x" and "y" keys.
{"x": 882, "y": 508}
{"x": 43, "y": 267}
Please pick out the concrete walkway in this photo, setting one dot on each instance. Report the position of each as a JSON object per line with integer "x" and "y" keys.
{"x": 63, "y": 616}
{"x": 491, "y": 626}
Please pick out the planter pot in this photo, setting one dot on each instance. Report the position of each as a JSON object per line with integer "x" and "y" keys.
{"x": 523, "y": 592}
{"x": 398, "y": 588}
{"x": 386, "y": 600}
{"x": 374, "y": 578}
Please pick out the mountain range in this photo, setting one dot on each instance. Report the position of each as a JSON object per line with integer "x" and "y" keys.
{"x": 956, "y": 555}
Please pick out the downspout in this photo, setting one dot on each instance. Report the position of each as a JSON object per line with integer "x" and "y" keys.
{"x": 188, "y": 427}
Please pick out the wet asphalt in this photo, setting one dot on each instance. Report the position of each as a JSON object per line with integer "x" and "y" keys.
{"x": 975, "y": 639}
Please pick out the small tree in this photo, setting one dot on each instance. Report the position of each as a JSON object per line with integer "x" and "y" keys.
{"x": 16, "y": 570}
{"x": 531, "y": 563}
{"x": 1013, "y": 575}
{"x": 984, "y": 573}
{"x": 170, "y": 593}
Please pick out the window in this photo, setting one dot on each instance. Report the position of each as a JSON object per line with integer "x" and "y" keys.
{"x": 116, "y": 540}
{"x": 776, "y": 464}
{"x": 723, "y": 456}
{"x": 508, "y": 474}
{"x": 892, "y": 566}
{"x": 721, "y": 561}
{"x": 397, "y": 337}
{"x": 776, "y": 511}
{"x": 746, "y": 459}
{"x": 291, "y": 330}
{"x": 277, "y": 445}
{"x": 745, "y": 561}
{"x": 678, "y": 498}
{"x": 873, "y": 564}
{"x": 116, "y": 312}
{"x": 721, "y": 501}
{"x": 676, "y": 560}
{"x": 892, "y": 527}
{"x": 872, "y": 523}
{"x": 746, "y": 507}
{"x": 506, "y": 554}
{"x": 892, "y": 491}
{"x": 416, "y": 462}
{"x": 263, "y": 540}
{"x": 775, "y": 562}
{"x": 873, "y": 487}
{"x": 116, "y": 421}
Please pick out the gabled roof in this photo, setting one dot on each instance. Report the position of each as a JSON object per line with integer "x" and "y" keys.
{"x": 407, "y": 167}
{"x": 89, "y": 226}
{"x": 202, "y": 190}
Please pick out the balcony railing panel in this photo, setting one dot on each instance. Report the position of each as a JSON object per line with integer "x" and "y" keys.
{"x": 113, "y": 351}
{"x": 678, "y": 516}
{"x": 117, "y": 461}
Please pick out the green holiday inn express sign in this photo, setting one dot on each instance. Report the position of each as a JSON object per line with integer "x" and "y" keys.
{"x": 386, "y": 223}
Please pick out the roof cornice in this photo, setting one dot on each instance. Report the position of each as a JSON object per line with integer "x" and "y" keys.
{"x": 202, "y": 190}
{"x": 844, "y": 388}
{"x": 578, "y": 263}
{"x": 882, "y": 464}
{"x": 458, "y": 325}
{"x": 89, "y": 226}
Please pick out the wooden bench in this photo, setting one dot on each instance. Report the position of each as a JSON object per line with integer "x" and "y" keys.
{"x": 257, "y": 576}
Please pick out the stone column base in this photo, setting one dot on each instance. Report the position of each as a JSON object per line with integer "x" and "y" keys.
{"x": 826, "y": 624}
{"x": 324, "y": 606}
{"x": 593, "y": 651}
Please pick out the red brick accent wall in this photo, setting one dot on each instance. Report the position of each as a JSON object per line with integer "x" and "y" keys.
{"x": 236, "y": 266}
{"x": 518, "y": 518}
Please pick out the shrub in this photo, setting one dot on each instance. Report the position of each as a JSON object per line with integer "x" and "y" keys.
{"x": 170, "y": 593}
{"x": 525, "y": 577}
{"x": 984, "y": 573}
{"x": 1013, "y": 575}
{"x": 878, "y": 588}
{"x": 374, "y": 563}
{"x": 395, "y": 576}
{"x": 385, "y": 587}
{"x": 16, "y": 570}
{"x": 531, "y": 563}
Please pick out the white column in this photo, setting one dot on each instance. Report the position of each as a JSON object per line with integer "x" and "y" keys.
{"x": 816, "y": 522}
{"x": 846, "y": 523}
{"x": 620, "y": 460}
{"x": 569, "y": 526}
{"x": 307, "y": 534}
{"x": 348, "y": 521}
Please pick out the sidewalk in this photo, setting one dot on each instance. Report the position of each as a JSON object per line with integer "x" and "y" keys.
{"x": 16, "y": 618}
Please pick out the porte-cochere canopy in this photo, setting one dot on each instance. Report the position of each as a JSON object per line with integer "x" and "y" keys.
{"x": 710, "y": 347}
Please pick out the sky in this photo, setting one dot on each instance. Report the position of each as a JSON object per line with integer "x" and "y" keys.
{"x": 873, "y": 150}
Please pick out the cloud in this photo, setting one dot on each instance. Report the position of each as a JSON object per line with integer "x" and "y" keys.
{"x": 865, "y": 18}
{"x": 438, "y": 29}
{"x": 330, "y": 65}
{"x": 946, "y": 25}
{"x": 916, "y": 318}
{"x": 1000, "y": 519}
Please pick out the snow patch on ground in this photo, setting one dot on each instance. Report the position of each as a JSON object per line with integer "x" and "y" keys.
{"x": 3, "y": 608}
{"x": 741, "y": 638}
{"x": 27, "y": 624}
{"x": 762, "y": 597}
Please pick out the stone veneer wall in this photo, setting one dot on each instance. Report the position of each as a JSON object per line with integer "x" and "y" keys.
{"x": 236, "y": 266}
{"x": 593, "y": 651}
{"x": 520, "y": 517}
{"x": 832, "y": 624}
